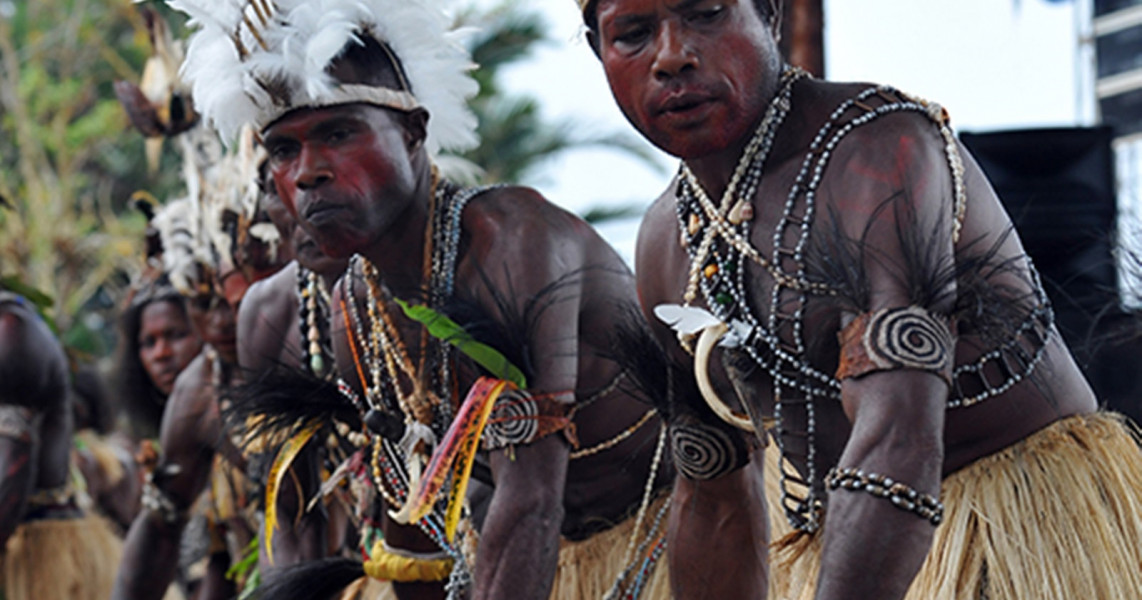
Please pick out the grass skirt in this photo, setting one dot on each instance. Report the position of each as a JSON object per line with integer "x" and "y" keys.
{"x": 61, "y": 559}
{"x": 588, "y": 568}
{"x": 1056, "y": 516}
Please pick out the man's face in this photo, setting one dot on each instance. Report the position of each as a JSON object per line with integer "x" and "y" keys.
{"x": 213, "y": 320}
{"x": 694, "y": 76}
{"x": 166, "y": 343}
{"x": 305, "y": 248}
{"x": 343, "y": 172}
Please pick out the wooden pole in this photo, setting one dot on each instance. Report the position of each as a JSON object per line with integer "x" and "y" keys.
{"x": 803, "y": 34}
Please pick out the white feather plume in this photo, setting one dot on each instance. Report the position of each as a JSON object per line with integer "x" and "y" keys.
{"x": 177, "y": 223}
{"x": 301, "y": 39}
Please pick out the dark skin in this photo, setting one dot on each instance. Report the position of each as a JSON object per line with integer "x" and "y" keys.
{"x": 190, "y": 436}
{"x": 892, "y": 422}
{"x": 33, "y": 375}
{"x": 358, "y": 178}
{"x": 270, "y": 335}
{"x": 166, "y": 343}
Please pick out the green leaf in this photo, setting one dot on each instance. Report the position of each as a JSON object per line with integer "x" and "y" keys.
{"x": 40, "y": 299}
{"x": 447, "y": 330}
{"x": 249, "y": 561}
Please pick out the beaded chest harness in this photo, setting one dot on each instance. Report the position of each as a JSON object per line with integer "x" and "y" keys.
{"x": 390, "y": 372}
{"x": 717, "y": 239}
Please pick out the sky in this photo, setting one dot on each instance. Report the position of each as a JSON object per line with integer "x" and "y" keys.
{"x": 994, "y": 64}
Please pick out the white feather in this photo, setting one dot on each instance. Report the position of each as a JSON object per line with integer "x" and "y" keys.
{"x": 303, "y": 37}
{"x": 685, "y": 319}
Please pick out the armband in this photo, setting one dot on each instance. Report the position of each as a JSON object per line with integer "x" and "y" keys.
{"x": 16, "y": 422}
{"x": 703, "y": 452}
{"x": 393, "y": 564}
{"x": 889, "y": 339}
{"x": 159, "y": 502}
{"x": 518, "y": 419}
{"x": 901, "y": 496}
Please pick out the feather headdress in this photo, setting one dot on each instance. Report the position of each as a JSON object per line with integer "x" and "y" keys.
{"x": 202, "y": 233}
{"x": 252, "y": 61}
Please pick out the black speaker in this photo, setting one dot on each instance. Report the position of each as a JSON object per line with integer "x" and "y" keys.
{"x": 1058, "y": 185}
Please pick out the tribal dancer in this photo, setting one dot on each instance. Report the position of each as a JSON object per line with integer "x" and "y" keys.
{"x": 284, "y": 324}
{"x": 52, "y": 549}
{"x": 353, "y": 99}
{"x": 845, "y": 278}
{"x": 211, "y": 253}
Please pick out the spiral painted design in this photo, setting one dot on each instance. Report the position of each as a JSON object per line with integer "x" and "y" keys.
{"x": 910, "y": 337}
{"x": 514, "y": 421}
{"x": 702, "y": 452}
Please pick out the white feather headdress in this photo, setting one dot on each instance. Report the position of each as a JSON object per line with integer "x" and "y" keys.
{"x": 201, "y": 234}
{"x": 252, "y": 61}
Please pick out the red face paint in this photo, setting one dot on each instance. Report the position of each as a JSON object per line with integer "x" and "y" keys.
{"x": 694, "y": 76}
{"x": 344, "y": 172}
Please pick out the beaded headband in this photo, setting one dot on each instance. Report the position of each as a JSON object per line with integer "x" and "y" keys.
{"x": 253, "y": 61}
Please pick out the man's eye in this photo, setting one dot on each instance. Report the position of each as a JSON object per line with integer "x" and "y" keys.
{"x": 337, "y": 135}
{"x": 707, "y": 14}
{"x": 632, "y": 36}
{"x": 279, "y": 152}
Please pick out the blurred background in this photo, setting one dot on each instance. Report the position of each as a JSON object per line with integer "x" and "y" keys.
{"x": 1047, "y": 95}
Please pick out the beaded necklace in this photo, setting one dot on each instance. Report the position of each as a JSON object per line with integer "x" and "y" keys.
{"x": 313, "y": 302}
{"x": 423, "y": 393}
{"x": 717, "y": 239}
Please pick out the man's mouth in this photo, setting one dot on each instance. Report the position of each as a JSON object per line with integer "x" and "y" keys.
{"x": 682, "y": 103}
{"x": 320, "y": 212}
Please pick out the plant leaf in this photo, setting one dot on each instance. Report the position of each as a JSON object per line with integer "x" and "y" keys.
{"x": 445, "y": 329}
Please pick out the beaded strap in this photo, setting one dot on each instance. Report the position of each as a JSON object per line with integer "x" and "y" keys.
{"x": 901, "y": 495}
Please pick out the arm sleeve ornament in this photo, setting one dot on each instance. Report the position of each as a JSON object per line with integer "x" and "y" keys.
{"x": 519, "y": 418}
{"x": 17, "y": 422}
{"x": 394, "y": 564}
{"x": 703, "y": 452}
{"x": 157, "y": 501}
{"x": 901, "y": 495}
{"x": 896, "y": 338}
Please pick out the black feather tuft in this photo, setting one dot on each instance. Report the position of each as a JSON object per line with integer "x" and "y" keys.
{"x": 281, "y": 401}
{"x": 311, "y": 580}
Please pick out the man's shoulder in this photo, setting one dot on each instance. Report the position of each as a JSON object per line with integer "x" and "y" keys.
{"x": 33, "y": 367}
{"x": 837, "y": 104}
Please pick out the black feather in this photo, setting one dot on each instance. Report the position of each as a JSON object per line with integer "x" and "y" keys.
{"x": 283, "y": 400}
{"x": 311, "y": 580}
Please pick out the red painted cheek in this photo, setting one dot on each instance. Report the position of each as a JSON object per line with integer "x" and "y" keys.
{"x": 286, "y": 191}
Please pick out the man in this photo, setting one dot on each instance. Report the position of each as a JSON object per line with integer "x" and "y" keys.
{"x": 841, "y": 239}
{"x": 284, "y": 323}
{"x": 350, "y": 149}
{"x": 209, "y": 247}
{"x": 52, "y": 550}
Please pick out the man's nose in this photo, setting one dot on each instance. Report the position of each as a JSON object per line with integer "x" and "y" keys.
{"x": 674, "y": 53}
{"x": 313, "y": 170}
{"x": 163, "y": 348}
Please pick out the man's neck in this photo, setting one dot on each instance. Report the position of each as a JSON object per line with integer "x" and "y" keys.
{"x": 399, "y": 252}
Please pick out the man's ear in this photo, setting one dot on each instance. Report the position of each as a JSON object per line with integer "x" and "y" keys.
{"x": 415, "y": 128}
{"x": 593, "y": 42}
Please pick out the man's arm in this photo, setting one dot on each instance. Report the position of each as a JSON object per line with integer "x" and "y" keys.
{"x": 724, "y": 516}
{"x": 897, "y": 415}
{"x": 519, "y": 542}
{"x": 150, "y": 555}
{"x": 268, "y": 338}
{"x": 32, "y": 372}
